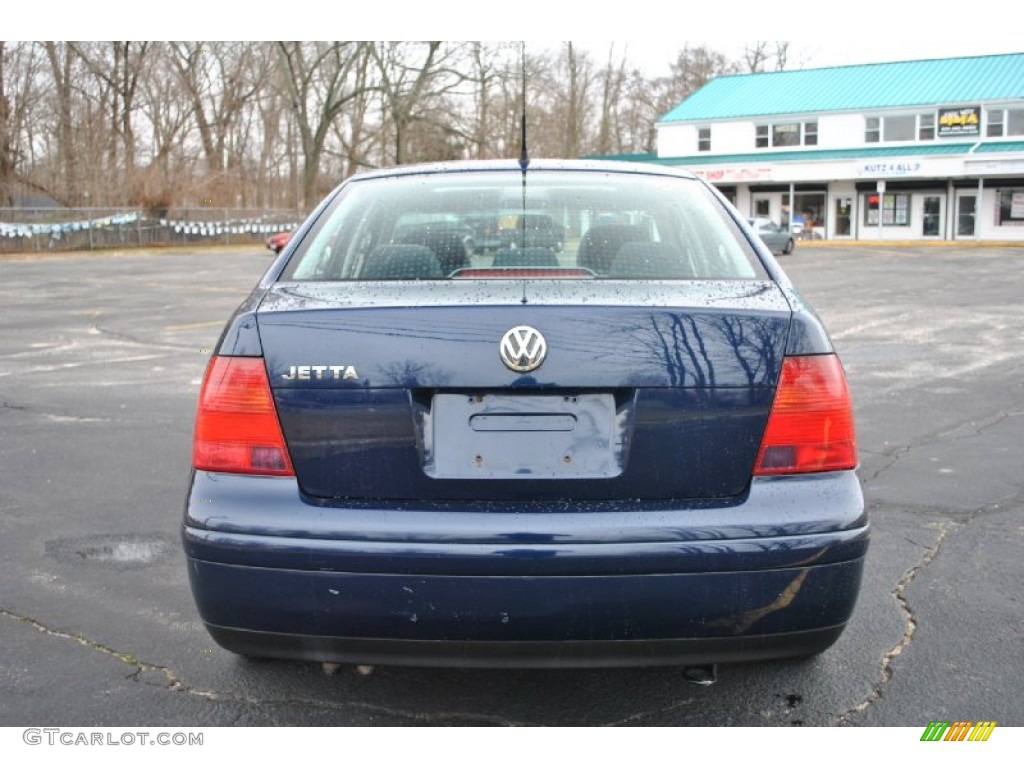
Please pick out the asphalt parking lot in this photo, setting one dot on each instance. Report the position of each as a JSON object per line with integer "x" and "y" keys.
{"x": 101, "y": 357}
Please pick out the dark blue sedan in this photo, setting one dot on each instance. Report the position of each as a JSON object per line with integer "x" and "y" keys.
{"x": 636, "y": 448}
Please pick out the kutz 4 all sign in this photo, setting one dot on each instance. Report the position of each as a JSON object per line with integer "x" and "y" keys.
{"x": 960, "y": 730}
{"x": 960, "y": 121}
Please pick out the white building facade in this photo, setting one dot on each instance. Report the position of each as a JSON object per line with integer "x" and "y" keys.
{"x": 926, "y": 150}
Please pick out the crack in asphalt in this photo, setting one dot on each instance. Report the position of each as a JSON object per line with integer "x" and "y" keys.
{"x": 141, "y": 342}
{"x": 633, "y": 718}
{"x": 174, "y": 683}
{"x": 893, "y": 455}
{"x": 978, "y": 426}
{"x": 910, "y": 626}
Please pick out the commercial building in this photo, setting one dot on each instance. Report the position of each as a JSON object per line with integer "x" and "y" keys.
{"x": 914, "y": 150}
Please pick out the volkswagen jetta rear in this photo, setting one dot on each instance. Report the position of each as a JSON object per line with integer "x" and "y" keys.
{"x": 635, "y": 449}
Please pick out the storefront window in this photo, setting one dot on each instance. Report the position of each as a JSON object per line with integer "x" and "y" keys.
{"x": 1015, "y": 122}
{"x": 1011, "y": 207}
{"x": 811, "y": 133}
{"x": 703, "y": 139}
{"x": 810, "y": 212}
{"x": 786, "y": 135}
{"x": 1005, "y": 122}
{"x": 872, "y": 133}
{"x": 995, "y": 122}
{"x": 898, "y": 128}
{"x": 926, "y": 126}
{"x": 895, "y": 209}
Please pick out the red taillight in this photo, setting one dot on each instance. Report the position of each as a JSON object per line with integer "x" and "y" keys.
{"x": 810, "y": 428}
{"x": 237, "y": 429}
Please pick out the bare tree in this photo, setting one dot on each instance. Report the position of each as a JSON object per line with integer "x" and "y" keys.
{"x": 120, "y": 66}
{"x": 781, "y": 54}
{"x": 579, "y": 73}
{"x": 613, "y": 79}
{"x": 355, "y": 131}
{"x": 6, "y": 141}
{"x": 494, "y": 77}
{"x": 755, "y": 55}
{"x": 762, "y": 56}
{"x": 218, "y": 82}
{"x": 559, "y": 96}
{"x": 413, "y": 80}
{"x": 638, "y": 113}
{"x": 693, "y": 68}
{"x": 21, "y": 84}
{"x": 165, "y": 104}
{"x": 61, "y": 58}
{"x": 273, "y": 187}
{"x": 318, "y": 79}
{"x": 109, "y": 123}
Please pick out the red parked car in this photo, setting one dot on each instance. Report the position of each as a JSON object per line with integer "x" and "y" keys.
{"x": 279, "y": 241}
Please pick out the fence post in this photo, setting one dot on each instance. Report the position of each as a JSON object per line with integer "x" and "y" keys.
{"x": 89, "y": 218}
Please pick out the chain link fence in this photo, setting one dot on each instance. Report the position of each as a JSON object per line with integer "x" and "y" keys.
{"x": 67, "y": 229}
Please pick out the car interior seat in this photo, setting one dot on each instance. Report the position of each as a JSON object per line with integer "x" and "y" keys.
{"x": 652, "y": 261}
{"x": 448, "y": 245}
{"x": 602, "y": 242}
{"x": 401, "y": 262}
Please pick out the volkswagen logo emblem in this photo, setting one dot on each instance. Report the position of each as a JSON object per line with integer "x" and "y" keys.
{"x": 523, "y": 348}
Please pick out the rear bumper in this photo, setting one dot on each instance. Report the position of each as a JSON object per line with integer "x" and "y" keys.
{"x": 772, "y": 577}
{"x": 524, "y": 655}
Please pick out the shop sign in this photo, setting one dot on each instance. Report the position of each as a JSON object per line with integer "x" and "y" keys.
{"x": 889, "y": 169}
{"x": 960, "y": 121}
{"x": 717, "y": 175}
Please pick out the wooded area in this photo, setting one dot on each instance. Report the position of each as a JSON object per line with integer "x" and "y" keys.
{"x": 277, "y": 124}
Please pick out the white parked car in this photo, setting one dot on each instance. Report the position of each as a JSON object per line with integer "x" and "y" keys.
{"x": 777, "y": 237}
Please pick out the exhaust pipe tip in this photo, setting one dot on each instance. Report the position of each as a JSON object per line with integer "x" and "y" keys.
{"x": 701, "y": 674}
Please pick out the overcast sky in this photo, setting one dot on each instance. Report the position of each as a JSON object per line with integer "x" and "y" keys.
{"x": 821, "y": 34}
{"x": 653, "y": 57}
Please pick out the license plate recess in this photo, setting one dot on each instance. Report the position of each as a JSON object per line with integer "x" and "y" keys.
{"x": 532, "y": 436}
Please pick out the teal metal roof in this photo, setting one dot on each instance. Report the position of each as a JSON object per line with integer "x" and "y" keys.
{"x": 965, "y": 80}
{"x": 1000, "y": 146}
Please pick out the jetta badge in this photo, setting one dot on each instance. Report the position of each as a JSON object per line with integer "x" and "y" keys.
{"x": 523, "y": 348}
{"x": 308, "y": 372}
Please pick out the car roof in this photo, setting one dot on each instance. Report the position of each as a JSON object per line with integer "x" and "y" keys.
{"x": 470, "y": 166}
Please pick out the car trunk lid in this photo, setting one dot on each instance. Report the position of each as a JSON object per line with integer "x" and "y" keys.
{"x": 655, "y": 390}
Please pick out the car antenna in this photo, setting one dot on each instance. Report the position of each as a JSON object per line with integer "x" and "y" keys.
{"x": 524, "y": 156}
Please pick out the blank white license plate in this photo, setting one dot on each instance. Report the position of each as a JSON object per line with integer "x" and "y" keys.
{"x": 501, "y": 436}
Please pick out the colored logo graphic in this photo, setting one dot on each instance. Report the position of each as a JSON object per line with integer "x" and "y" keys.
{"x": 959, "y": 730}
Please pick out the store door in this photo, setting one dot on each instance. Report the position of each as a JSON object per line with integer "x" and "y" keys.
{"x": 931, "y": 222}
{"x": 844, "y": 213}
{"x": 965, "y": 210}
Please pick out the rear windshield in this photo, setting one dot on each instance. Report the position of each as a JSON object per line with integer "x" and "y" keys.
{"x": 493, "y": 225}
